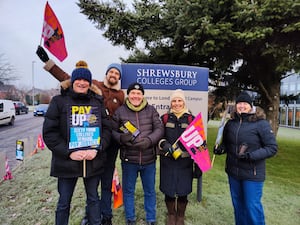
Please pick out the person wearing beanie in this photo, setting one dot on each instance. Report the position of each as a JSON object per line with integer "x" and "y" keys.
{"x": 177, "y": 169}
{"x": 115, "y": 66}
{"x": 81, "y": 72}
{"x": 244, "y": 97}
{"x": 110, "y": 89}
{"x": 77, "y": 108}
{"x": 138, "y": 150}
{"x": 135, "y": 86}
{"x": 248, "y": 140}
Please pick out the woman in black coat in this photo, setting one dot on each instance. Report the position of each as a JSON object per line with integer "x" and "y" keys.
{"x": 248, "y": 141}
{"x": 76, "y": 129}
{"x": 176, "y": 165}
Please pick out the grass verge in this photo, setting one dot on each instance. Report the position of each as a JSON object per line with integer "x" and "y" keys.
{"x": 31, "y": 196}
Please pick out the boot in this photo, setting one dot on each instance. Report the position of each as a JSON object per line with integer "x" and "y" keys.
{"x": 106, "y": 221}
{"x": 84, "y": 221}
{"x": 181, "y": 206}
{"x": 130, "y": 222}
{"x": 171, "y": 212}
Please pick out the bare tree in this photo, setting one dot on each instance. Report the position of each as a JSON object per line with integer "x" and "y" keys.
{"x": 7, "y": 71}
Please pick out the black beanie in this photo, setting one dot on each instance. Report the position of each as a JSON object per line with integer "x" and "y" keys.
{"x": 81, "y": 72}
{"x": 244, "y": 97}
{"x": 135, "y": 86}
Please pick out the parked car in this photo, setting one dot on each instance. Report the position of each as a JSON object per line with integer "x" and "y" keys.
{"x": 7, "y": 112}
{"x": 40, "y": 110}
{"x": 20, "y": 107}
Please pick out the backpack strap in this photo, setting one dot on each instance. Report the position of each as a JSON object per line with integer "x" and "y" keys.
{"x": 165, "y": 118}
{"x": 190, "y": 118}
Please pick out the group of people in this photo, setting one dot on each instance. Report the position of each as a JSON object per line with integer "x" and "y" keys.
{"x": 153, "y": 135}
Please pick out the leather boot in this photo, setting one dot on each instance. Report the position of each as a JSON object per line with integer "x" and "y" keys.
{"x": 181, "y": 206}
{"x": 84, "y": 221}
{"x": 171, "y": 218}
{"x": 128, "y": 222}
{"x": 106, "y": 221}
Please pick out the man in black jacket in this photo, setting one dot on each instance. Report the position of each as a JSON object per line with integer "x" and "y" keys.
{"x": 77, "y": 131}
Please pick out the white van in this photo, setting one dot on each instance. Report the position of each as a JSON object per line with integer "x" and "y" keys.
{"x": 7, "y": 112}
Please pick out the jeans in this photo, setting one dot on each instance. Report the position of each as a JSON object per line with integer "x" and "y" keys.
{"x": 65, "y": 187}
{"x": 130, "y": 173}
{"x": 246, "y": 199}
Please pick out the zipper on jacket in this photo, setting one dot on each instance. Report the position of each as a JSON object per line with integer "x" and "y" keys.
{"x": 138, "y": 126}
{"x": 236, "y": 143}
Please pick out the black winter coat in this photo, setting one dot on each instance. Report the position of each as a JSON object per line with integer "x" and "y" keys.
{"x": 176, "y": 176}
{"x": 150, "y": 126}
{"x": 254, "y": 130}
{"x": 55, "y": 134}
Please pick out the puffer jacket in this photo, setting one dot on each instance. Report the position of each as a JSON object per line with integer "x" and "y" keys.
{"x": 112, "y": 94}
{"x": 55, "y": 134}
{"x": 150, "y": 126}
{"x": 255, "y": 131}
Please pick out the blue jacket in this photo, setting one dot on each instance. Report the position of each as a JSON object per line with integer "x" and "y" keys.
{"x": 255, "y": 131}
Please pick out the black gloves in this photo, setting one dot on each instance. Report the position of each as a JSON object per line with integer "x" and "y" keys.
{"x": 219, "y": 149}
{"x": 126, "y": 138}
{"x": 142, "y": 143}
{"x": 42, "y": 54}
{"x": 197, "y": 172}
{"x": 166, "y": 147}
{"x": 243, "y": 154}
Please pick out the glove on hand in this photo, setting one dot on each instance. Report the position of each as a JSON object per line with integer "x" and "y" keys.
{"x": 197, "y": 172}
{"x": 42, "y": 54}
{"x": 166, "y": 147}
{"x": 126, "y": 138}
{"x": 142, "y": 143}
{"x": 219, "y": 150}
{"x": 244, "y": 156}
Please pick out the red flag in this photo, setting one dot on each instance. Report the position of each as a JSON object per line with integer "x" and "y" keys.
{"x": 53, "y": 34}
{"x": 117, "y": 191}
{"x": 194, "y": 141}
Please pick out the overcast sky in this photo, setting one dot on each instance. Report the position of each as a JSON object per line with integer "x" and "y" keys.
{"x": 21, "y": 28}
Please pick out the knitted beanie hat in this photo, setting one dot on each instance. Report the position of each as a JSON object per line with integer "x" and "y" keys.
{"x": 81, "y": 72}
{"x": 135, "y": 86}
{"x": 115, "y": 66}
{"x": 244, "y": 97}
{"x": 178, "y": 93}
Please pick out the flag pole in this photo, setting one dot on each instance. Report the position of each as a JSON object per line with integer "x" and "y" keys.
{"x": 220, "y": 132}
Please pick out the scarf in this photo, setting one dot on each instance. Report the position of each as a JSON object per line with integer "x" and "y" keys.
{"x": 179, "y": 113}
{"x": 136, "y": 108}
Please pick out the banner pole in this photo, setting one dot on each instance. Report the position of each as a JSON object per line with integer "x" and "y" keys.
{"x": 84, "y": 168}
